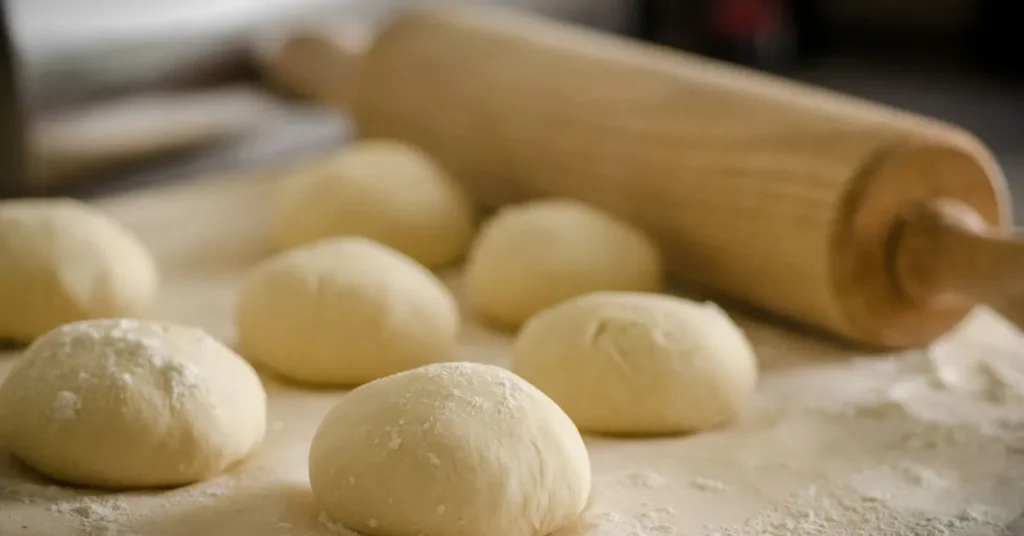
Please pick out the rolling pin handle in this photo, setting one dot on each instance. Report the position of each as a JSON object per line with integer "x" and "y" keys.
{"x": 317, "y": 63}
{"x": 945, "y": 253}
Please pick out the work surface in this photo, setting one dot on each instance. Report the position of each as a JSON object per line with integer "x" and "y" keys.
{"x": 837, "y": 442}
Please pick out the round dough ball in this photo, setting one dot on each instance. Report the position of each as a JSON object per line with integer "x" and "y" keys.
{"x": 61, "y": 261}
{"x": 122, "y": 403}
{"x": 344, "y": 311}
{"x": 531, "y": 256}
{"x": 385, "y": 190}
{"x": 453, "y": 449}
{"x": 636, "y": 363}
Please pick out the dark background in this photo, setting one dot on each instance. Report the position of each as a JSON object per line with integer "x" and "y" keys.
{"x": 958, "y": 60}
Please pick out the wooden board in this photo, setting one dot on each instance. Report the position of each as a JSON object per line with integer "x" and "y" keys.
{"x": 836, "y": 440}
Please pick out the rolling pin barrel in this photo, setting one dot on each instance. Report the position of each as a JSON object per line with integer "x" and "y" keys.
{"x": 780, "y": 195}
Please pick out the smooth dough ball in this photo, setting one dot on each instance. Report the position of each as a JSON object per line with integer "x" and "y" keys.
{"x": 637, "y": 363}
{"x": 452, "y": 449}
{"x": 61, "y": 261}
{"x": 122, "y": 403}
{"x": 386, "y": 190}
{"x": 344, "y": 311}
{"x": 531, "y": 256}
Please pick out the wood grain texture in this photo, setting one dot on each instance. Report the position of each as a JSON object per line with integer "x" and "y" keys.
{"x": 755, "y": 187}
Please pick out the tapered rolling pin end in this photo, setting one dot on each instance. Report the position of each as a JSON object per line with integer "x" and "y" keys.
{"x": 315, "y": 62}
{"x": 920, "y": 241}
{"x": 946, "y": 254}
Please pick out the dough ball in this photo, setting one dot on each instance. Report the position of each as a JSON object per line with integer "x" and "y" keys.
{"x": 124, "y": 403}
{"x": 452, "y": 449}
{"x": 385, "y": 190}
{"x": 531, "y": 256}
{"x": 61, "y": 261}
{"x": 635, "y": 363}
{"x": 344, "y": 311}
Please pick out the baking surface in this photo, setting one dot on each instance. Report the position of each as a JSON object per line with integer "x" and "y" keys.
{"x": 837, "y": 441}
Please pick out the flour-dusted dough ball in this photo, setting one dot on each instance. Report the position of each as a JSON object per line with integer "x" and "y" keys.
{"x": 123, "y": 403}
{"x": 637, "y": 363}
{"x": 61, "y": 261}
{"x": 531, "y": 256}
{"x": 386, "y": 190}
{"x": 344, "y": 311}
{"x": 452, "y": 449}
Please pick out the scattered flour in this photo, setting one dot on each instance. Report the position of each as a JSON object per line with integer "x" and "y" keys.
{"x": 126, "y": 348}
{"x": 645, "y": 523}
{"x": 705, "y": 484}
{"x": 334, "y": 526}
{"x": 66, "y": 406}
{"x": 101, "y": 514}
{"x": 96, "y": 515}
{"x": 646, "y": 479}
{"x": 461, "y": 380}
{"x": 937, "y": 405}
{"x": 23, "y": 491}
{"x": 214, "y": 487}
{"x": 922, "y": 476}
{"x": 181, "y": 379}
{"x": 845, "y": 512}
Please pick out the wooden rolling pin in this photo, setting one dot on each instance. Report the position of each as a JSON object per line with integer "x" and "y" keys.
{"x": 874, "y": 224}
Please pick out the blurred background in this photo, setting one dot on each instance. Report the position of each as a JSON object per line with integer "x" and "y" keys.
{"x": 101, "y": 95}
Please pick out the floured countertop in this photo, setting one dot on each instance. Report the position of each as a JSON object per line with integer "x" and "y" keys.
{"x": 922, "y": 443}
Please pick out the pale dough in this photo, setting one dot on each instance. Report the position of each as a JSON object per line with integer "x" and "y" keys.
{"x": 123, "y": 403}
{"x": 638, "y": 363}
{"x": 452, "y": 449}
{"x": 386, "y": 190}
{"x": 531, "y": 256}
{"x": 61, "y": 260}
{"x": 344, "y": 311}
